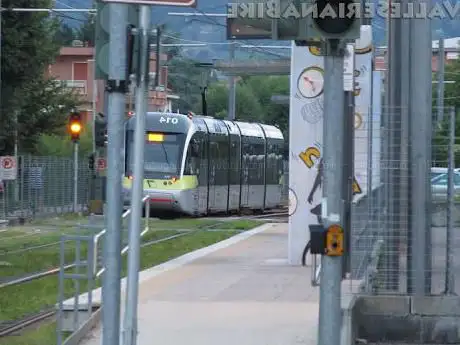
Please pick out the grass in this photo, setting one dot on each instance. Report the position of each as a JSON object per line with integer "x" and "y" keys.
{"x": 20, "y": 300}
{"x": 45, "y": 334}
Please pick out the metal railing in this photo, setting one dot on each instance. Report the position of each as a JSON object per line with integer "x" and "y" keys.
{"x": 145, "y": 201}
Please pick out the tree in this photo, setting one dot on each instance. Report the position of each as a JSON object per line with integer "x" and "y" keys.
{"x": 87, "y": 32}
{"x": 65, "y": 35}
{"x": 253, "y": 100}
{"x": 187, "y": 80}
{"x": 451, "y": 99}
{"x": 33, "y": 104}
{"x": 452, "y": 91}
{"x": 60, "y": 144}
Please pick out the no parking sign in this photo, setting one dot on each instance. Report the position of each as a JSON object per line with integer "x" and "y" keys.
{"x": 8, "y": 168}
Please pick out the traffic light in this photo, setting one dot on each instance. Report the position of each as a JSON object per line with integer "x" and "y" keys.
{"x": 75, "y": 126}
{"x": 100, "y": 131}
{"x": 103, "y": 35}
{"x": 91, "y": 161}
{"x": 335, "y": 19}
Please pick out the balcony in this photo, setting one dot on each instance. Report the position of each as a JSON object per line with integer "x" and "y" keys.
{"x": 80, "y": 86}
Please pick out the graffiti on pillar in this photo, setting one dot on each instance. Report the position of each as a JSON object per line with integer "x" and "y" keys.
{"x": 311, "y": 157}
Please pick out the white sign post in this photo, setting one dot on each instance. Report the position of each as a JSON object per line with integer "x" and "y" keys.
{"x": 8, "y": 168}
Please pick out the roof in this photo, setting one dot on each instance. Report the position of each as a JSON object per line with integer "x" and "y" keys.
{"x": 449, "y": 43}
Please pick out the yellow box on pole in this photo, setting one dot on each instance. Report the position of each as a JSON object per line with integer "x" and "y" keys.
{"x": 334, "y": 241}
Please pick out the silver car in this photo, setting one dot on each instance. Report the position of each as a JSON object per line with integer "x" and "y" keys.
{"x": 439, "y": 187}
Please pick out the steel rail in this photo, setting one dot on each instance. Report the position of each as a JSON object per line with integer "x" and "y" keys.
{"x": 27, "y": 321}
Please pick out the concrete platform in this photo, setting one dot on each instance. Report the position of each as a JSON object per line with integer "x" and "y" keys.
{"x": 239, "y": 291}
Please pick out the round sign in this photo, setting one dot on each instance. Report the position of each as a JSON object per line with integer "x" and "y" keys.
{"x": 7, "y": 163}
{"x": 101, "y": 164}
{"x": 311, "y": 82}
{"x": 292, "y": 202}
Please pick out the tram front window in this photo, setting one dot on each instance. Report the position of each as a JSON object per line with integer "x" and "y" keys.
{"x": 162, "y": 155}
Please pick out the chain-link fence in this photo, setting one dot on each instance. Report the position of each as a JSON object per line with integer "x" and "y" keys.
{"x": 403, "y": 235}
{"x": 44, "y": 187}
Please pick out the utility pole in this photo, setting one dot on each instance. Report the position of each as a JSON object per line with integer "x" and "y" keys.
{"x": 116, "y": 87}
{"x": 348, "y": 147}
{"x": 420, "y": 151}
{"x": 158, "y": 56}
{"x": 333, "y": 160}
{"x": 143, "y": 33}
{"x": 441, "y": 72}
{"x": 75, "y": 176}
{"x": 231, "y": 88}
{"x": 1, "y": 44}
{"x": 450, "y": 257}
{"x": 393, "y": 158}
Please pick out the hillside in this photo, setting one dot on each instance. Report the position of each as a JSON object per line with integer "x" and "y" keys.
{"x": 206, "y": 29}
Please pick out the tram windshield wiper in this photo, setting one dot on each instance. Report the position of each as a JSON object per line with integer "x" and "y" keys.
{"x": 165, "y": 152}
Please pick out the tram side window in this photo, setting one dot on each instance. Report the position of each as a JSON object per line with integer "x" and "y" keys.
{"x": 280, "y": 162}
{"x": 193, "y": 158}
{"x": 222, "y": 167}
{"x": 213, "y": 158}
{"x": 234, "y": 163}
{"x": 271, "y": 164}
{"x": 260, "y": 163}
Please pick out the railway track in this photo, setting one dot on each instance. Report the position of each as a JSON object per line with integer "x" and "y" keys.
{"x": 10, "y": 327}
{"x": 271, "y": 216}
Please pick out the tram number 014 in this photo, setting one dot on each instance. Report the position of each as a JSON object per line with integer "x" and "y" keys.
{"x": 171, "y": 120}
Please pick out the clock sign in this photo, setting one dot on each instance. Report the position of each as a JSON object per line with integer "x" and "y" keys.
{"x": 292, "y": 202}
{"x": 311, "y": 82}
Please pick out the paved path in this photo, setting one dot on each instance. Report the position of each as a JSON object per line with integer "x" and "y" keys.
{"x": 243, "y": 294}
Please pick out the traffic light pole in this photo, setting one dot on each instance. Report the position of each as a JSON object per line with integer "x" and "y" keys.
{"x": 130, "y": 321}
{"x": 116, "y": 87}
{"x": 75, "y": 176}
{"x": 333, "y": 199}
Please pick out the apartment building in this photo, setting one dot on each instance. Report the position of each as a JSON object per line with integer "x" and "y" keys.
{"x": 74, "y": 67}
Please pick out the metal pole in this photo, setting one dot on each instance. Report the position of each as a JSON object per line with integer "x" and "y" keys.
{"x": 441, "y": 71}
{"x": 348, "y": 166}
{"x": 1, "y": 44}
{"x": 94, "y": 105}
{"x": 404, "y": 61}
{"x": 130, "y": 321}
{"x": 231, "y": 89}
{"x": 450, "y": 278}
{"x": 116, "y": 86}
{"x": 420, "y": 148}
{"x": 158, "y": 56}
{"x": 333, "y": 158}
{"x": 394, "y": 227}
{"x": 75, "y": 176}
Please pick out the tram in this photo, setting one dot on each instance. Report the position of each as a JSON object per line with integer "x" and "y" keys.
{"x": 197, "y": 165}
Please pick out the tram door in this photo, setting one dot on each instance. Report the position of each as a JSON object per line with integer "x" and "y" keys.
{"x": 212, "y": 173}
{"x": 234, "y": 173}
{"x": 203, "y": 172}
{"x": 245, "y": 171}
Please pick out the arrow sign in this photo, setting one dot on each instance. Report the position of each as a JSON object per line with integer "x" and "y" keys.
{"x": 181, "y": 3}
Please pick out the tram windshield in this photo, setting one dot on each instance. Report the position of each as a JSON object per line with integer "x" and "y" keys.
{"x": 162, "y": 154}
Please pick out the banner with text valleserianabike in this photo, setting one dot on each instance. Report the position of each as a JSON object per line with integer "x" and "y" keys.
{"x": 305, "y": 138}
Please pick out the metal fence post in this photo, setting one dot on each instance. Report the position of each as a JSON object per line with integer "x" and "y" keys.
{"x": 450, "y": 278}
